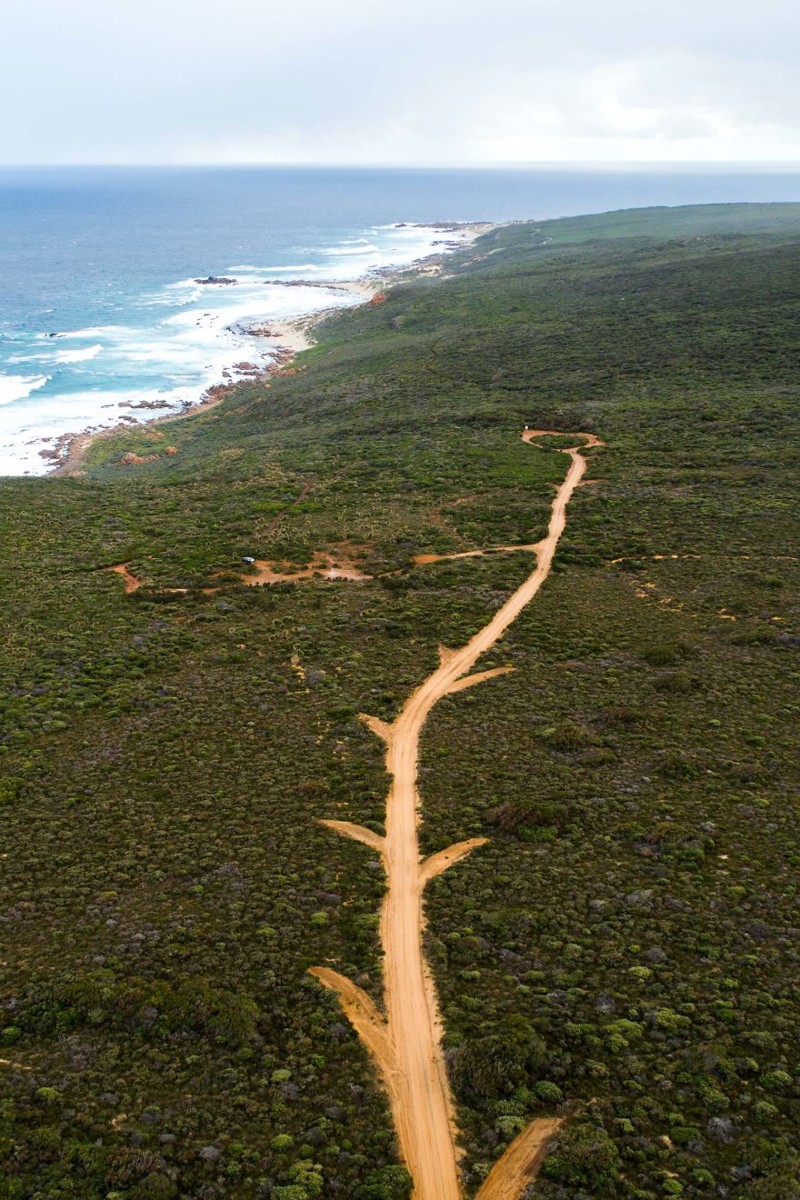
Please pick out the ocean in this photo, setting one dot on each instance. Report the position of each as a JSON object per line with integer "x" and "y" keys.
{"x": 104, "y": 314}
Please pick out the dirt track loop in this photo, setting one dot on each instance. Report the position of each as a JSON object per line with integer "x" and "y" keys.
{"x": 406, "y": 1045}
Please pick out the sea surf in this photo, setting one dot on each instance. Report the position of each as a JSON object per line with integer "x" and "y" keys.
{"x": 129, "y": 292}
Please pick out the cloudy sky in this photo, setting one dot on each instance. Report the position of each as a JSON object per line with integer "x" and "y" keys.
{"x": 414, "y": 81}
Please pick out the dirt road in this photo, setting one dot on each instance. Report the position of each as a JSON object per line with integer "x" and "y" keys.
{"x": 407, "y": 1045}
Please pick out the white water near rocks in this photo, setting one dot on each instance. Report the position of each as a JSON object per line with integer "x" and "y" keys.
{"x": 186, "y": 337}
{"x": 101, "y": 309}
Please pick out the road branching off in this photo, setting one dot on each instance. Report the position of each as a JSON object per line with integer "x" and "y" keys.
{"x": 406, "y": 1043}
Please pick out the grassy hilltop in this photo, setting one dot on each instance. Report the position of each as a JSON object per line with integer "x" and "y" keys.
{"x": 625, "y": 948}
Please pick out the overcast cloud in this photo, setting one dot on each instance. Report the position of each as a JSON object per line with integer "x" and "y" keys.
{"x": 420, "y": 81}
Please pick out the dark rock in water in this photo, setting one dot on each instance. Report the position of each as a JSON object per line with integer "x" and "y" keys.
{"x": 216, "y": 279}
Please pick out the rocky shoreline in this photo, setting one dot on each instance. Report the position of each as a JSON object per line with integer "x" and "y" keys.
{"x": 293, "y": 335}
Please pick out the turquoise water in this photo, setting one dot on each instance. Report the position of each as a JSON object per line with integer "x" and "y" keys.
{"x": 100, "y": 307}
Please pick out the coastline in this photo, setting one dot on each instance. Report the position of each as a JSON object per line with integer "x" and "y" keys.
{"x": 292, "y": 334}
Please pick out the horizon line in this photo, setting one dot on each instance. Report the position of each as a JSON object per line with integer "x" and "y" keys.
{"x": 789, "y": 165}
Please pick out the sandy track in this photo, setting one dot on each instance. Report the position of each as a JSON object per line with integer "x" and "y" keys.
{"x": 407, "y": 1043}
{"x": 424, "y": 560}
{"x": 513, "y": 1172}
{"x": 132, "y": 584}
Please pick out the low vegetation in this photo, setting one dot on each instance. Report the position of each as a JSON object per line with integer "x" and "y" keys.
{"x": 624, "y": 949}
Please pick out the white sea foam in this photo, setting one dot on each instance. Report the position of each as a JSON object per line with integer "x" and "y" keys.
{"x": 192, "y": 292}
{"x": 293, "y": 268}
{"x": 17, "y": 387}
{"x": 51, "y": 356}
{"x": 186, "y": 344}
{"x": 97, "y": 331}
{"x": 23, "y": 440}
{"x": 359, "y": 246}
{"x": 73, "y": 356}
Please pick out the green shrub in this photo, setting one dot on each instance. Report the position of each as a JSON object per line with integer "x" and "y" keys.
{"x": 387, "y": 1183}
{"x": 585, "y": 1157}
{"x": 549, "y": 1092}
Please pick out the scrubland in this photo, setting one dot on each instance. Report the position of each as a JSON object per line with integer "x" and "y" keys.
{"x": 623, "y": 950}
